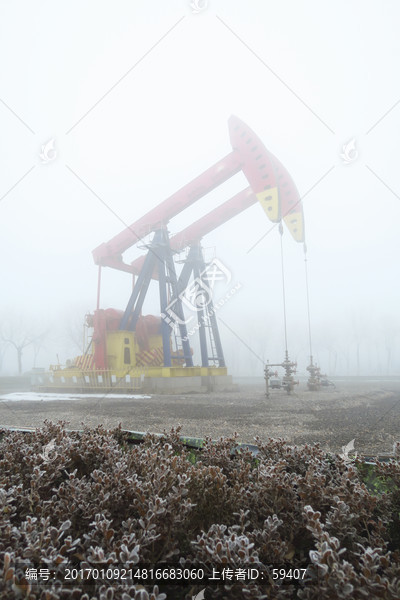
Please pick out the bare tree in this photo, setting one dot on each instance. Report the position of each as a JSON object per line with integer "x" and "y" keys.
{"x": 19, "y": 342}
{"x": 3, "y": 350}
{"x": 15, "y": 332}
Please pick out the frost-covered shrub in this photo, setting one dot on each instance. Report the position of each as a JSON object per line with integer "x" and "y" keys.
{"x": 90, "y": 499}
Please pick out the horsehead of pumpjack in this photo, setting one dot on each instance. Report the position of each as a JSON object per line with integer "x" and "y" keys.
{"x": 268, "y": 178}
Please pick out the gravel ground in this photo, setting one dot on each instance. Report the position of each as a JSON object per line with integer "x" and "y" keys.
{"x": 367, "y": 410}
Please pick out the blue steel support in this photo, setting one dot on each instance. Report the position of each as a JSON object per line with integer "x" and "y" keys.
{"x": 160, "y": 253}
{"x": 142, "y": 295}
{"x": 177, "y": 304}
{"x": 165, "y": 329}
{"x": 187, "y": 270}
{"x": 140, "y": 288}
{"x": 201, "y": 316}
{"x": 211, "y": 315}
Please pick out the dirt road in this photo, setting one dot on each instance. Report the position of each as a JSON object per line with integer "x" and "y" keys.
{"x": 365, "y": 410}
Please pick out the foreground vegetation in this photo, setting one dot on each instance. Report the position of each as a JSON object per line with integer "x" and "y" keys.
{"x": 90, "y": 500}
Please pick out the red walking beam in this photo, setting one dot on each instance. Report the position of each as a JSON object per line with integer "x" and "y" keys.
{"x": 270, "y": 184}
{"x": 159, "y": 216}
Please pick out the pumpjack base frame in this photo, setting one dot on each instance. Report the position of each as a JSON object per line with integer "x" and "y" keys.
{"x": 189, "y": 385}
{"x": 156, "y": 380}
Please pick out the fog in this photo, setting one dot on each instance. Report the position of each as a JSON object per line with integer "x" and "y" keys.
{"x": 135, "y": 97}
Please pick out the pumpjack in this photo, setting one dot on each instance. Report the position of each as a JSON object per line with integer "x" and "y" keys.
{"x": 127, "y": 344}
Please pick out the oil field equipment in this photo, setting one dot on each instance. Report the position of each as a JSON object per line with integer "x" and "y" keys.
{"x": 287, "y": 382}
{"x": 130, "y": 350}
{"x": 314, "y": 380}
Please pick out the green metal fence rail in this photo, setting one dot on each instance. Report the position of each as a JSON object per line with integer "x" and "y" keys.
{"x": 137, "y": 437}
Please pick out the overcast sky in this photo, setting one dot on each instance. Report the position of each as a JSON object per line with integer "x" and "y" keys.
{"x": 136, "y": 96}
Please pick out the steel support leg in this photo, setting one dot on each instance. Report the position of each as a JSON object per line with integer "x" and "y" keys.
{"x": 211, "y": 315}
{"x": 140, "y": 288}
{"x": 178, "y": 308}
{"x": 201, "y": 319}
{"x": 165, "y": 329}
